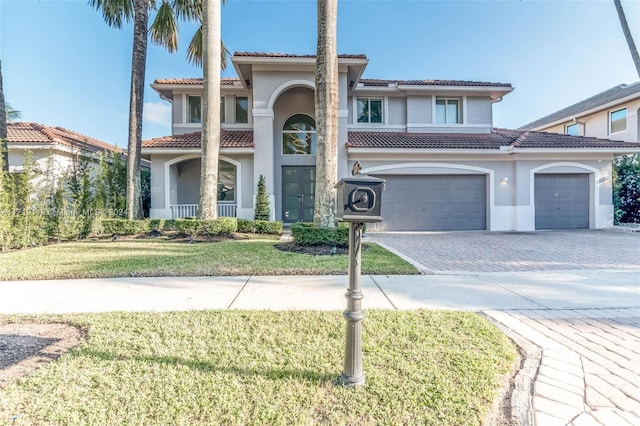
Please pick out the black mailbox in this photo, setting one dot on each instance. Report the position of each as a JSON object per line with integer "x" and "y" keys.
{"x": 359, "y": 199}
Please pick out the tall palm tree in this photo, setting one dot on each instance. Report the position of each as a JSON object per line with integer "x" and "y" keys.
{"x": 326, "y": 104}
{"x": 3, "y": 128}
{"x": 210, "y": 137}
{"x": 627, "y": 35}
{"x": 163, "y": 31}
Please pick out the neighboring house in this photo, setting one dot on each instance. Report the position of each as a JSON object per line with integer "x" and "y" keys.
{"x": 611, "y": 114}
{"x": 433, "y": 141}
{"x": 53, "y": 148}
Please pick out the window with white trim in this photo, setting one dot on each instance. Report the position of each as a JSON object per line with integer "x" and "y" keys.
{"x": 299, "y": 135}
{"x": 369, "y": 110}
{"x": 242, "y": 109}
{"x": 448, "y": 111}
{"x": 572, "y": 129}
{"x": 618, "y": 120}
{"x": 194, "y": 109}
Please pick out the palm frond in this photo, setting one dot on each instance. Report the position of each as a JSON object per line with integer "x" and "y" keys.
{"x": 164, "y": 30}
{"x": 114, "y": 12}
{"x": 12, "y": 114}
{"x": 187, "y": 10}
{"x": 195, "y": 51}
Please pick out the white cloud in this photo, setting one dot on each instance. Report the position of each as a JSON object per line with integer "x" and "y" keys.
{"x": 159, "y": 113}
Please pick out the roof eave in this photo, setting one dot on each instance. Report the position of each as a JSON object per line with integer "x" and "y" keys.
{"x": 149, "y": 151}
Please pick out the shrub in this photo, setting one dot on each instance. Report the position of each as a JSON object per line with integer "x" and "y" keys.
{"x": 125, "y": 226}
{"x": 262, "y": 201}
{"x": 308, "y": 234}
{"x": 220, "y": 226}
{"x": 259, "y": 226}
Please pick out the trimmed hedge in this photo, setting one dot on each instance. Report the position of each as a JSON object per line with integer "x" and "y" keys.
{"x": 307, "y": 234}
{"x": 126, "y": 226}
{"x": 220, "y": 226}
{"x": 259, "y": 226}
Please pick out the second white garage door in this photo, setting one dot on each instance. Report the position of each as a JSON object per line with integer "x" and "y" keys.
{"x": 434, "y": 203}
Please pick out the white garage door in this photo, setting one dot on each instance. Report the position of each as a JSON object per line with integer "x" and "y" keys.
{"x": 562, "y": 201}
{"x": 433, "y": 203}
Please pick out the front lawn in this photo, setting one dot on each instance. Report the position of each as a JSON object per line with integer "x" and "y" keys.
{"x": 265, "y": 368}
{"x": 128, "y": 258}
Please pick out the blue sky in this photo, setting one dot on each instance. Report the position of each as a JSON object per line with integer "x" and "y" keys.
{"x": 63, "y": 66}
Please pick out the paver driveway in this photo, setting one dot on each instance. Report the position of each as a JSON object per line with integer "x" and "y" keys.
{"x": 480, "y": 251}
{"x": 583, "y": 365}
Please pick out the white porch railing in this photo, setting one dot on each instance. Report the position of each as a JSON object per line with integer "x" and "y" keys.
{"x": 191, "y": 210}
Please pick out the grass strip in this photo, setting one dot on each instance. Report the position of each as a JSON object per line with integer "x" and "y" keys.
{"x": 265, "y": 368}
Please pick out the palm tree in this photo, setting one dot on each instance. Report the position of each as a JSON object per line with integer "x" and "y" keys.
{"x": 3, "y": 128}
{"x": 210, "y": 137}
{"x": 163, "y": 31}
{"x": 627, "y": 35}
{"x": 326, "y": 104}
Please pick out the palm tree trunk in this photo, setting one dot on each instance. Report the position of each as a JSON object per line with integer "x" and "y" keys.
{"x": 326, "y": 103}
{"x": 627, "y": 35}
{"x": 139, "y": 61}
{"x": 210, "y": 139}
{"x": 3, "y": 127}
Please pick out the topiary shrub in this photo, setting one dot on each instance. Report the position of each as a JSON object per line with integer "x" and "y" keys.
{"x": 259, "y": 227}
{"x": 262, "y": 201}
{"x": 310, "y": 235}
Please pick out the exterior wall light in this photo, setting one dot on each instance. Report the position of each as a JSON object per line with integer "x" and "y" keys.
{"x": 505, "y": 180}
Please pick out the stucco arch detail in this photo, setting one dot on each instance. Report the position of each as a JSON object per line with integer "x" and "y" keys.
{"x": 286, "y": 86}
{"x": 180, "y": 159}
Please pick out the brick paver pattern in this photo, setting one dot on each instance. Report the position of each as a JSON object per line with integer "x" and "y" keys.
{"x": 480, "y": 251}
{"x": 589, "y": 372}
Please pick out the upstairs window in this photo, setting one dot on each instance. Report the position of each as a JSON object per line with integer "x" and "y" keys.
{"x": 618, "y": 121}
{"x": 572, "y": 129}
{"x": 448, "y": 111}
{"x": 242, "y": 109}
{"x": 369, "y": 110}
{"x": 194, "y": 109}
{"x": 299, "y": 135}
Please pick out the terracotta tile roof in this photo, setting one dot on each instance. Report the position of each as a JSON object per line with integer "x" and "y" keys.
{"x": 494, "y": 140}
{"x": 40, "y": 134}
{"x": 384, "y": 83}
{"x": 603, "y": 98}
{"x": 229, "y": 139}
{"x": 194, "y": 81}
{"x": 289, "y": 55}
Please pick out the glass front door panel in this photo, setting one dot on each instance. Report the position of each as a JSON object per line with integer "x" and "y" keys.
{"x": 298, "y": 184}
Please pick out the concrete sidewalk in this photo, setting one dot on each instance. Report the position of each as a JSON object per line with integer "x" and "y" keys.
{"x": 472, "y": 292}
{"x": 580, "y": 330}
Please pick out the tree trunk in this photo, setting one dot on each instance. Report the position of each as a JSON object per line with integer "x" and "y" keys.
{"x": 139, "y": 61}
{"x": 627, "y": 35}
{"x": 3, "y": 127}
{"x": 326, "y": 103}
{"x": 210, "y": 139}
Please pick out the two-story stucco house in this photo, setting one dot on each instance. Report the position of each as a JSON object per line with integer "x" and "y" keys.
{"x": 611, "y": 114}
{"x": 433, "y": 141}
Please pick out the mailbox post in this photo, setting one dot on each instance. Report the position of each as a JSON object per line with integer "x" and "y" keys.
{"x": 358, "y": 202}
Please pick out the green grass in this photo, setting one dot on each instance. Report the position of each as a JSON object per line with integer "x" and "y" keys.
{"x": 265, "y": 368}
{"x": 128, "y": 258}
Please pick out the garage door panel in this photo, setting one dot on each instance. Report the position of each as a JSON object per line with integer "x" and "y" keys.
{"x": 433, "y": 203}
{"x": 562, "y": 201}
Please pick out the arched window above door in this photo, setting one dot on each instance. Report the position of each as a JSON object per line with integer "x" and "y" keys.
{"x": 299, "y": 135}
